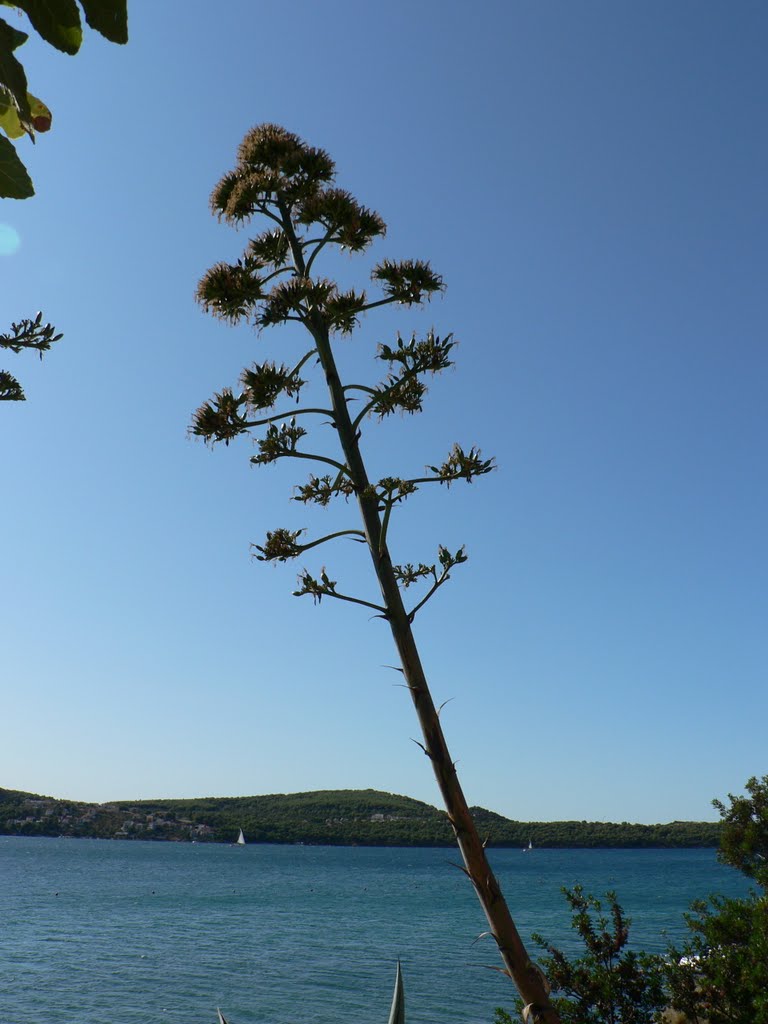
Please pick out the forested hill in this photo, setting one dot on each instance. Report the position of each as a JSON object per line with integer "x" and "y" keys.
{"x": 335, "y": 817}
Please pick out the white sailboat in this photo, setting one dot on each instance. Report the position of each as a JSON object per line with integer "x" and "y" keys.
{"x": 240, "y": 839}
{"x": 528, "y": 848}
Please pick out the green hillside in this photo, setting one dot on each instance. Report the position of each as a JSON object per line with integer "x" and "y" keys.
{"x": 333, "y": 817}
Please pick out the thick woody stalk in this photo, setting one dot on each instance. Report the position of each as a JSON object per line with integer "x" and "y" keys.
{"x": 526, "y": 976}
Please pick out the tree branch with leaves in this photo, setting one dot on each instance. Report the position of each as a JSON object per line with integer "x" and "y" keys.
{"x": 21, "y": 113}
{"x": 280, "y": 178}
{"x": 58, "y": 23}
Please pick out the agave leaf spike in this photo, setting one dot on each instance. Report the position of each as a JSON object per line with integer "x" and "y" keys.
{"x": 397, "y": 1011}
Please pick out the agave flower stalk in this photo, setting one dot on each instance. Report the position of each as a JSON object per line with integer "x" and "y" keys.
{"x": 281, "y": 178}
{"x": 27, "y": 334}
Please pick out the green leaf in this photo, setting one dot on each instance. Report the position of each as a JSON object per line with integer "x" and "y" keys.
{"x": 15, "y": 35}
{"x": 10, "y": 122}
{"x": 109, "y": 17}
{"x": 57, "y": 21}
{"x": 9, "y": 116}
{"x": 15, "y": 183}
{"x": 12, "y": 74}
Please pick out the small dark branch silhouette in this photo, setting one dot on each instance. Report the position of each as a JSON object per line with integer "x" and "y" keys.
{"x": 26, "y": 335}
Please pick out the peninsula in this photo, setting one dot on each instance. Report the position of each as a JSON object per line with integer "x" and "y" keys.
{"x": 345, "y": 817}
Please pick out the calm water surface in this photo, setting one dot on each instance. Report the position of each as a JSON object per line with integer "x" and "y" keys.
{"x": 103, "y": 932}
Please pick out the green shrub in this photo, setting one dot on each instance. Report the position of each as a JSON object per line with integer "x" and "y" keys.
{"x": 607, "y": 983}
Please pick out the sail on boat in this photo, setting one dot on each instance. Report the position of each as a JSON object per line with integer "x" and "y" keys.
{"x": 528, "y": 848}
{"x": 240, "y": 839}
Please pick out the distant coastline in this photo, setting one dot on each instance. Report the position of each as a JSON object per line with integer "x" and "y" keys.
{"x": 327, "y": 817}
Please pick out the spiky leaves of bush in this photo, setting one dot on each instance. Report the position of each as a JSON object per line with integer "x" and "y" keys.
{"x": 721, "y": 973}
{"x": 607, "y": 983}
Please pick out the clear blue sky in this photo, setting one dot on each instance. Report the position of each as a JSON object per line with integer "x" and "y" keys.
{"x": 590, "y": 179}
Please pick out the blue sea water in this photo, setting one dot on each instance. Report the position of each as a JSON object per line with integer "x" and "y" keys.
{"x": 104, "y": 932}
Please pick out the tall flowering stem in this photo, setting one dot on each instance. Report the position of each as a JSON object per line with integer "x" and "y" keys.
{"x": 290, "y": 184}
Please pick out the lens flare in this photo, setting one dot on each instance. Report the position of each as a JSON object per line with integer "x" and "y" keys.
{"x": 9, "y": 240}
